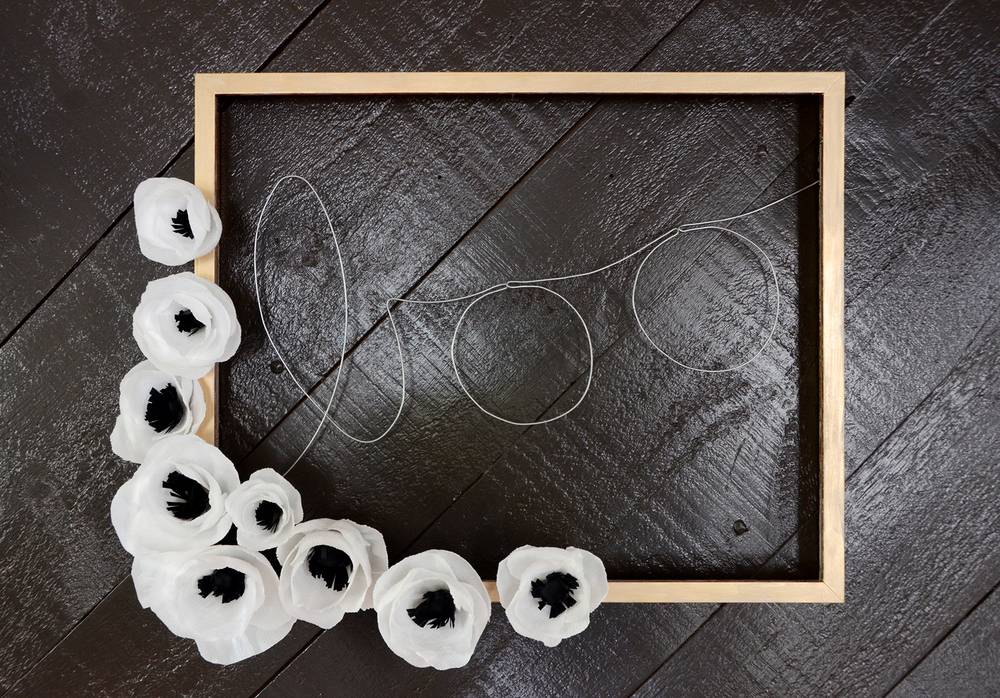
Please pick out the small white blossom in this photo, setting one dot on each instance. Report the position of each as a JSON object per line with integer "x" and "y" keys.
{"x": 173, "y": 220}
{"x": 549, "y": 593}
{"x": 185, "y": 325}
{"x": 153, "y": 405}
{"x": 223, "y": 597}
{"x": 176, "y": 500}
{"x": 265, "y": 509}
{"x": 432, "y": 609}
{"x": 328, "y": 569}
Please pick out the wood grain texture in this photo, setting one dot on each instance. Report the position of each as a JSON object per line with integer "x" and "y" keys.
{"x": 919, "y": 135}
{"x": 75, "y": 148}
{"x": 55, "y": 461}
{"x": 965, "y": 663}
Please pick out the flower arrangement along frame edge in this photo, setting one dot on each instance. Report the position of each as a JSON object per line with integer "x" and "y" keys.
{"x": 829, "y": 86}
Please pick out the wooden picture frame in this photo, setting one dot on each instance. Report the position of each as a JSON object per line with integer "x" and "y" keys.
{"x": 829, "y": 586}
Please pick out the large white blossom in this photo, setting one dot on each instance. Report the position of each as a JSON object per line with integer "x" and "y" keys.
{"x": 174, "y": 221}
{"x": 176, "y": 498}
{"x": 432, "y": 609}
{"x": 549, "y": 593}
{"x": 265, "y": 509}
{"x": 223, "y": 597}
{"x": 328, "y": 569}
{"x": 153, "y": 405}
{"x": 185, "y": 325}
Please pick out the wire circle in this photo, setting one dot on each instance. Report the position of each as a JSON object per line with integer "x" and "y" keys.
{"x": 514, "y": 286}
{"x": 777, "y": 300}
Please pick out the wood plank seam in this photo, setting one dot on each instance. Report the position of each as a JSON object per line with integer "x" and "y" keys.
{"x": 944, "y": 637}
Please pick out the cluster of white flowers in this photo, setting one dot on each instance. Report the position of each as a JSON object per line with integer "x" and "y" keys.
{"x": 180, "y": 505}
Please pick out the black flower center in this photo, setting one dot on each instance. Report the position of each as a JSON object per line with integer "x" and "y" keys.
{"x": 332, "y": 565}
{"x": 164, "y": 409}
{"x": 555, "y": 591}
{"x": 268, "y": 515}
{"x": 437, "y": 609}
{"x": 181, "y": 224}
{"x": 187, "y": 322}
{"x": 227, "y": 583}
{"x": 190, "y": 498}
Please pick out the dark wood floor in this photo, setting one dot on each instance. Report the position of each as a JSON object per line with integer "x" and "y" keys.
{"x": 433, "y": 196}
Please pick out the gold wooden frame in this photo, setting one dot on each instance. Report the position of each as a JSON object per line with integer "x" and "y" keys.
{"x": 829, "y": 587}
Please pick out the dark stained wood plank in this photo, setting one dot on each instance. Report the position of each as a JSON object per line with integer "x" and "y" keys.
{"x": 620, "y": 640}
{"x": 965, "y": 663}
{"x": 103, "y": 565}
{"x": 60, "y": 402}
{"x": 96, "y": 99}
{"x": 923, "y": 535}
{"x": 119, "y": 662}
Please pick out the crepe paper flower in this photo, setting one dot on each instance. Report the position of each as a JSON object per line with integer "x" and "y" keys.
{"x": 432, "y": 609}
{"x": 174, "y": 221}
{"x": 185, "y": 324}
{"x": 223, "y": 597}
{"x": 176, "y": 498}
{"x": 154, "y": 405}
{"x": 328, "y": 569}
{"x": 549, "y": 593}
{"x": 265, "y": 510}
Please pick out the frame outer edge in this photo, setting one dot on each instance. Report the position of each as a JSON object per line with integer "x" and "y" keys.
{"x": 830, "y": 85}
{"x": 207, "y": 266}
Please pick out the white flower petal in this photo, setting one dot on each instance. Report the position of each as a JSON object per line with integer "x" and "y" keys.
{"x": 577, "y": 583}
{"x": 444, "y": 638}
{"x": 231, "y": 619}
{"x": 173, "y": 221}
{"x": 314, "y": 597}
{"x": 149, "y": 516}
{"x": 175, "y": 302}
{"x": 182, "y": 410}
{"x": 269, "y": 489}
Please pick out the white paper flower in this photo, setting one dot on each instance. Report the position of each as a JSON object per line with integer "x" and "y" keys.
{"x": 185, "y": 324}
{"x": 328, "y": 569}
{"x": 265, "y": 510}
{"x": 432, "y": 609}
{"x": 174, "y": 221}
{"x": 154, "y": 405}
{"x": 223, "y": 597}
{"x": 549, "y": 593}
{"x": 176, "y": 498}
